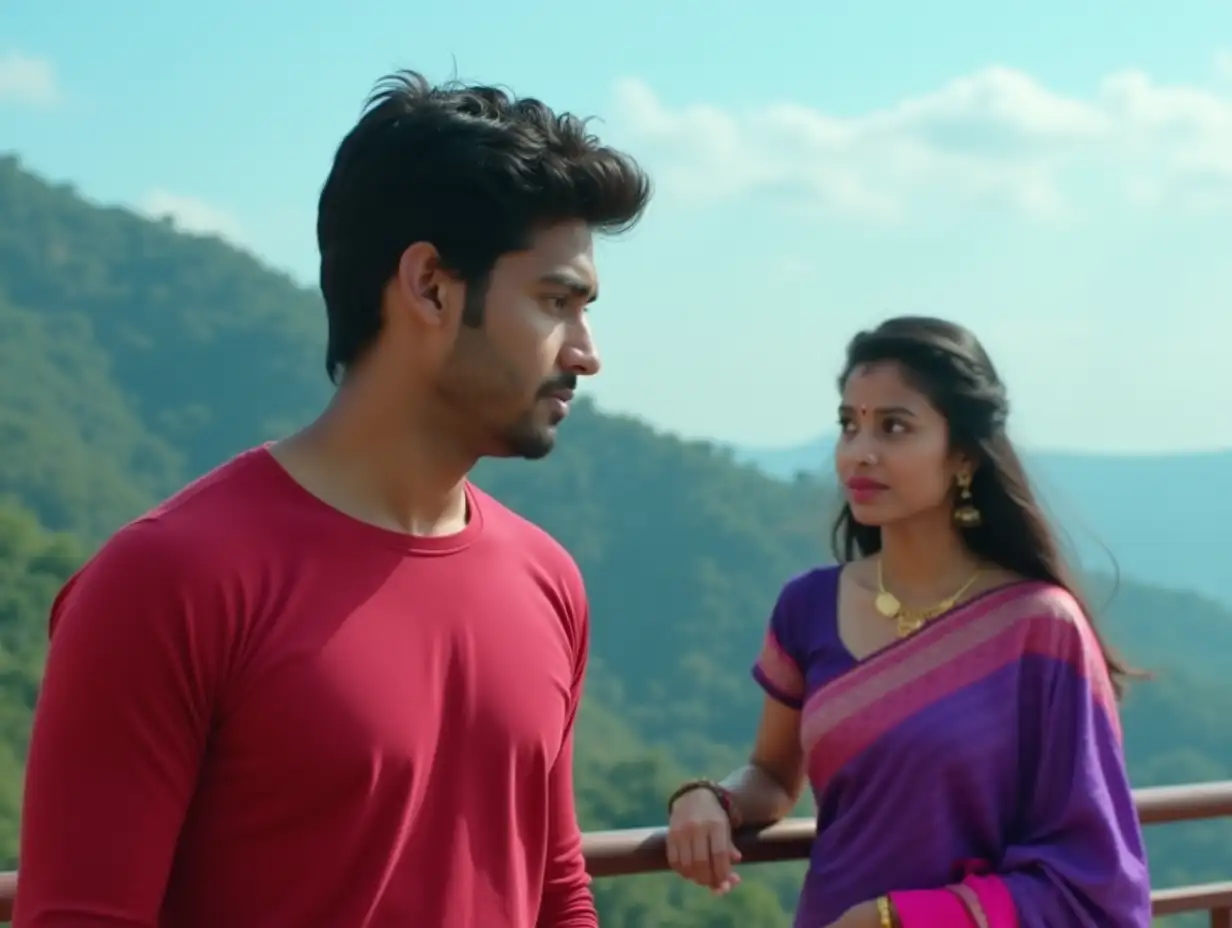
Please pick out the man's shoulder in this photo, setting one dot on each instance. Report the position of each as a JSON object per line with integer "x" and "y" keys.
{"x": 513, "y": 528}
{"x": 236, "y": 484}
{"x": 537, "y": 549}
{"x": 185, "y": 536}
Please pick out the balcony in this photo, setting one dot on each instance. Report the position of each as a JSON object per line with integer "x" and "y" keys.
{"x": 624, "y": 853}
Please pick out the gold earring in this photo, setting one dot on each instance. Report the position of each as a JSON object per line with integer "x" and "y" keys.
{"x": 965, "y": 514}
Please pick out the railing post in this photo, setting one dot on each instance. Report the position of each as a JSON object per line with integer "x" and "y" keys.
{"x": 1221, "y": 917}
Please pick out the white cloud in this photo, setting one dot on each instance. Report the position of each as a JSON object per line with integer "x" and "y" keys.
{"x": 27, "y": 80}
{"x": 1223, "y": 65}
{"x": 190, "y": 214}
{"x": 997, "y": 137}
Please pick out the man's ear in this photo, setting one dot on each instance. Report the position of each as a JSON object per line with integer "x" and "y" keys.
{"x": 422, "y": 283}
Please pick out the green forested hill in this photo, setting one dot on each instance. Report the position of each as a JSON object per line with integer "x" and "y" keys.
{"x": 134, "y": 355}
{"x": 133, "y": 358}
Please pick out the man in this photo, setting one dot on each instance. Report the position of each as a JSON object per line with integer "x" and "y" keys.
{"x": 332, "y": 683}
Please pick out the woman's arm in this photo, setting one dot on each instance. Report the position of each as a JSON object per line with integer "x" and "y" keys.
{"x": 702, "y": 816}
{"x": 699, "y": 839}
{"x": 768, "y": 787}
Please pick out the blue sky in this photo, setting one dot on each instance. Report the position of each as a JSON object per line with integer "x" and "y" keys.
{"x": 1058, "y": 176}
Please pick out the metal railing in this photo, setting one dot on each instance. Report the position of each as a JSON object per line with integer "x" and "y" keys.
{"x": 640, "y": 850}
{"x": 623, "y": 853}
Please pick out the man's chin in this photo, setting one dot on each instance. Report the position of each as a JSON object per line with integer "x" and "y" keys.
{"x": 530, "y": 445}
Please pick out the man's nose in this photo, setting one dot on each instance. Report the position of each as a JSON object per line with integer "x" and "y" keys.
{"x": 580, "y": 355}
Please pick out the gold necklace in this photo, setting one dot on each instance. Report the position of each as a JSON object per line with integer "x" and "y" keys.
{"x": 910, "y": 621}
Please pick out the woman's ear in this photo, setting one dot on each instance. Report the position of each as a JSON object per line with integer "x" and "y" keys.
{"x": 969, "y": 462}
{"x": 962, "y": 463}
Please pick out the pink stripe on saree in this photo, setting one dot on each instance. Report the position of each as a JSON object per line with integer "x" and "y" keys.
{"x": 840, "y": 720}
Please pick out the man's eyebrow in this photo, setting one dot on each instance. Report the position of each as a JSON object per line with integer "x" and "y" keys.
{"x": 575, "y": 285}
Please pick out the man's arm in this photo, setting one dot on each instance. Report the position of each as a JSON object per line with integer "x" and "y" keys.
{"x": 567, "y": 900}
{"x": 118, "y": 736}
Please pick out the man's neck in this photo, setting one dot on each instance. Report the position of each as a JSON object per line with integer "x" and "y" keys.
{"x": 378, "y": 467}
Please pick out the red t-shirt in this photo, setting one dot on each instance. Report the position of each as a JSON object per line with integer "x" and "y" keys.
{"x": 260, "y": 713}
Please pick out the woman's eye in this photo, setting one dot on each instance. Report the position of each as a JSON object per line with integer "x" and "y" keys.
{"x": 894, "y": 427}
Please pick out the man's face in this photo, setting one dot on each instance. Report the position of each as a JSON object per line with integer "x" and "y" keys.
{"x": 509, "y": 380}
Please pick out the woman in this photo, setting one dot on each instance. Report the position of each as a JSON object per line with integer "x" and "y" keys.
{"x": 943, "y": 689}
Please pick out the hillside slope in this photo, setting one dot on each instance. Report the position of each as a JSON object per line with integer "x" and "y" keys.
{"x": 136, "y": 358}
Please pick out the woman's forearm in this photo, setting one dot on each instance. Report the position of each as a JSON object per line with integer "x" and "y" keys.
{"x": 759, "y": 797}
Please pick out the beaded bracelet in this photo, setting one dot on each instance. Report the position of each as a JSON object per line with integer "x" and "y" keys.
{"x": 720, "y": 793}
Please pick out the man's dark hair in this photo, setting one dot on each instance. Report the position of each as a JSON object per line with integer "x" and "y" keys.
{"x": 471, "y": 169}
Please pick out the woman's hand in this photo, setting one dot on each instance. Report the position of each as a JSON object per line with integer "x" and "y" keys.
{"x": 699, "y": 841}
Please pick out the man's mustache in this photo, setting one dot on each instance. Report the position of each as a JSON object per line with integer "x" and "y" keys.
{"x": 557, "y": 384}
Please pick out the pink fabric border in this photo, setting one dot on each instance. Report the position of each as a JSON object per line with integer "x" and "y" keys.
{"x": 887, "y": 689}
{"x": 979, "y": 901}
{"x": 779, "y": 669}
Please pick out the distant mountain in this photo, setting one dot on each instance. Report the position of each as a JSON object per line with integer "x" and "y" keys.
{"x": 1164, "y": 519}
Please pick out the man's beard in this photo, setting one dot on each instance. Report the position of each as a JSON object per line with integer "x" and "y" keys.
{"x": 481, "y": 384}
{"x": 528, "y": 440}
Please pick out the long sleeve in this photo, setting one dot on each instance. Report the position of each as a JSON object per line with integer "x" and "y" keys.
{"x": 567, "y": 900}
{"x": 1078, "y": 857}
{"x": 119, "y": 732}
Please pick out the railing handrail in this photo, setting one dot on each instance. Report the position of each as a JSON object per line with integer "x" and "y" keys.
{"x": 641, "y": 850}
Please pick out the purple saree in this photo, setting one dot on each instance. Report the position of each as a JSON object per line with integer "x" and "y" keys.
{"x": 973, "y": 771}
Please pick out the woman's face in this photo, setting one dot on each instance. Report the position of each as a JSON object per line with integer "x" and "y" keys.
{"x": 892, "y": 458}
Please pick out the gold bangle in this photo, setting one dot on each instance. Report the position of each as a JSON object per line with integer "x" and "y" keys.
{"x": 884, "y": 912}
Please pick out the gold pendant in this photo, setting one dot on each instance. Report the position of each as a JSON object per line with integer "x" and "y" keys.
{"x": 887, "y": 604}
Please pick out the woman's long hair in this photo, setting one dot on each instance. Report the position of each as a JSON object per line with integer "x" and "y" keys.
{"x": 948, "y": 365}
